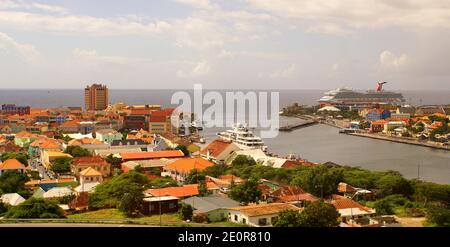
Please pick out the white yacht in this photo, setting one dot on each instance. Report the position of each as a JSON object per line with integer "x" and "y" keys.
{"x": 243, "y": 137}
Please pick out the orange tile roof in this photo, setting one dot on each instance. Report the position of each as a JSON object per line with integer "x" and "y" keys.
{"x": 343, "y": 203}
{"x": 11, "y": 164}
{"x": 46, "y": 143}
{"x": 91, "y": 160}
{"x": 72, "y": 123}
{"x": 152, "y": 155}
{"x": 186, "y": 165}
{"x": 84, "y": 141}
{"x": 24, "y": 133}
{"x": 265, "y": 209}
{"x": 49, "y": 181}
{"x": 140, "y": 111}
{"x": 216, "y": 147}
{"x": 379, "y": 122}
{"x": 180, "y": 192}
{"x": 90, "y": 172}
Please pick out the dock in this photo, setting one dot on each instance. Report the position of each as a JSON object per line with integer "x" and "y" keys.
{"x": 297, "y": 126}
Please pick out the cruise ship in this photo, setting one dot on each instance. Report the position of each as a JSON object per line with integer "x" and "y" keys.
{"x": 243, "y": 138}
{"x": 348, "y": 99}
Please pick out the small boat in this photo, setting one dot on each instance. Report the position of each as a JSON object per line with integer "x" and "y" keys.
{"x": 347, "y": 130}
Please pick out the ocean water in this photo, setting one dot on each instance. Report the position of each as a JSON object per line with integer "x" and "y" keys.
{"x": 317, "y": 143}
{"x": 57, "y": 98}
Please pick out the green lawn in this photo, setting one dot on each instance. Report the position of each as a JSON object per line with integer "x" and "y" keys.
{"x": 111, "y": 213}
{"x": 115, "y": 214}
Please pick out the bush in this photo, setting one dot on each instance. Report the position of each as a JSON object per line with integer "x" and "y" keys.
{"x": 200, "y": 218}
{"x": 439, "y": 216}
{"x": 186, "y": 212}
{"x": 35, "y": 208}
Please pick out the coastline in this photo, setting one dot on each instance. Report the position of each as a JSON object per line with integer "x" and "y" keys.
{"x": 400, "y": 140}
{"x": 383, "y": 138}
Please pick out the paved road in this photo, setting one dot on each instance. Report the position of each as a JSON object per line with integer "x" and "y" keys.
{"x": 42, "y": 170}
{"x": 69, "y": 225}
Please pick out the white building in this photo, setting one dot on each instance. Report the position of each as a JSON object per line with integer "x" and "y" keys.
{"x": 258, "y": 215}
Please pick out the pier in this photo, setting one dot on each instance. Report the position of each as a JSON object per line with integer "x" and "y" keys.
{"x": 299, "y": 125}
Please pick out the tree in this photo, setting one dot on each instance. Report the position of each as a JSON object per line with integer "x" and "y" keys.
{"x": 319, "y": 214}
{"x": 184, "y": 149}
{"x": 34, "y": 208}
{"x": 110, "y": 194}
{"x": 246, "y": 192}
{"x": 243, "y": 160}
{"x": 131, "y": 201}
{"x": 163, "y": 182}
{"x": 202, "y": 189}
{"x": 34, "y": 175}
{"x": 3, "y": 208}
{"x": 391, "y": 184}
{"x": 216, "y": 170}
{"x": 21, "y": 157}
{"x": 186, "y": 212}
{"x": 114, "y": 161}
{"x": 383, "y": 207}
{"x": 194, "y": 177}
{"x": 61, "y": 165}
{"x": 319, "y": 181}
{"x": 13, "y": 182}
{"x": 288, "y": 218}
{"x": 439, "y": 216}
{"x": 77, "y": 151}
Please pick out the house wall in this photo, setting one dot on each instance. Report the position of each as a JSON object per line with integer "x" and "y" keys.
{"x": 104, "y": 169}
{"x": 152, "y": 208}
{"x": 217, "y": 215}
{"x": 238, "y": 217}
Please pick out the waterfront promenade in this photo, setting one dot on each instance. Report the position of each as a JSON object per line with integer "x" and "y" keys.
{"x": 401, "y": 140}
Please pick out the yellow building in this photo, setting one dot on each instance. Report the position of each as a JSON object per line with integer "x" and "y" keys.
{"x": 47, "y": 157}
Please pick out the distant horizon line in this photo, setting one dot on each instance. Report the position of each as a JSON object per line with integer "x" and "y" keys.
{"x": 246, "y": 89}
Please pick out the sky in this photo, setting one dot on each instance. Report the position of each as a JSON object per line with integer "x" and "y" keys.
{"x": 225, "y": 44}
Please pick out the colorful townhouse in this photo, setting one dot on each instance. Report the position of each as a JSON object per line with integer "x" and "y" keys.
{"x": 108, "y": 135}
{"x": 377, "y": 114}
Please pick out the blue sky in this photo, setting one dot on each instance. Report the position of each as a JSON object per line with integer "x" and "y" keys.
{"x": 284, "y": 44}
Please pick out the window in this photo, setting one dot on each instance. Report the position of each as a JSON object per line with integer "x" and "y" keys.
{"x": 262, "y": 221}
{"x": 235, "y": 218}
{"x": 172, "y": 205}
{"x": 244, "y": 221}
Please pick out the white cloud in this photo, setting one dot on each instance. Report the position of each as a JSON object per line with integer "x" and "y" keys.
{"x": 202, "y": 68}
{"x": 390, "y": 61}
{"x": 285, "y": 73}
{"x": 50, "y": 8}
{"x": 79, "y": 25}
{"x": 355, "y": 14}
{"x": 94, "y": 57}
{"x": 25, "y": 51}
{"x": 200, "y": 4}
{"x": 9, "y": 4}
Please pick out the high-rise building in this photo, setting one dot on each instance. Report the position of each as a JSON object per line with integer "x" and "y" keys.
{"x": 96, "y": 97}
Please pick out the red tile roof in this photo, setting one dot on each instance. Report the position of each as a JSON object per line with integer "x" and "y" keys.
{"x": 186, "y": 165}
{"x": 340, "y": 202}
{"x": 157, "y": 119}
{"x": 216, "y": 147}
{"x": 94, "y": 160}
{"x": 180, "y": 192}
{"x": 152, "y": 155}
